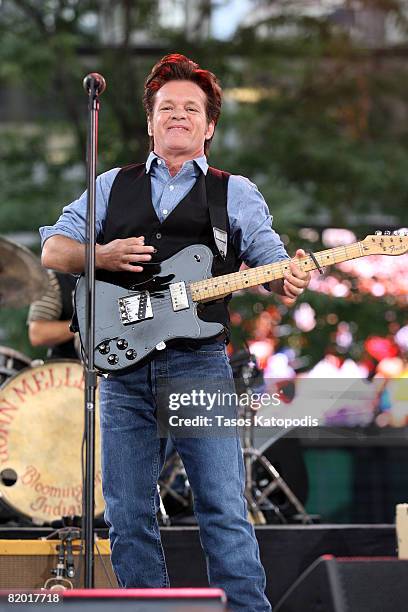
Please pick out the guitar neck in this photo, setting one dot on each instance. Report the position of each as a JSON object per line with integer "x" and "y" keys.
{"x": 220, "y": 286}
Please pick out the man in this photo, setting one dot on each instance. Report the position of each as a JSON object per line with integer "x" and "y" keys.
{"x": 49, "y": 318}
{"x": 146, "y": 213}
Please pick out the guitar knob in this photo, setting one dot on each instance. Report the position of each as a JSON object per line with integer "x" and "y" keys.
{"x": 131, "y": 354}
{"x": 387, "y": 233}
{"x": 378, "y": 233}
{"x": 104, "y": 348}
{"x": 113, "y": 359}
{"x": 122, "y": 344}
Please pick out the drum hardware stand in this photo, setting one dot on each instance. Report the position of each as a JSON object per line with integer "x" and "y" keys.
{"x": 175, "y": 465}
{"x": 252, "y": 455}
{"x": 164, "y": 517}
{"x": 94, "y": 85}
{"x": 249, "y": 372}
{"x": 65, "y": 571}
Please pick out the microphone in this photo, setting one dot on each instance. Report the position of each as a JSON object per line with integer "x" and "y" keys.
{"x": 95, "y": 83}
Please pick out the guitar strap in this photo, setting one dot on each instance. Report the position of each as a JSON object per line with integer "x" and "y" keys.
{"x": 216, "y": 182}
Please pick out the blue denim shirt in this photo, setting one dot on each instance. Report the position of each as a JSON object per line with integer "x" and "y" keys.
{"x": 250, "y": 222}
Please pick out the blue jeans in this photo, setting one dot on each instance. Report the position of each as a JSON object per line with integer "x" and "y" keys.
{"x": 132, "y": 459}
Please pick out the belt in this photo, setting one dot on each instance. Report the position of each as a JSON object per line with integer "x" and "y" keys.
{"x": 191, "y": 343}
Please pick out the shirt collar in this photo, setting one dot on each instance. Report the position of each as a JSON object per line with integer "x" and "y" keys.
{"x": 201, "y": 162}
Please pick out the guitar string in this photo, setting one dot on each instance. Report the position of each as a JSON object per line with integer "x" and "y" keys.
{"x": 343, "y": 252}
{"x": 258, "y": 275}
{"x": 261, "y": 274}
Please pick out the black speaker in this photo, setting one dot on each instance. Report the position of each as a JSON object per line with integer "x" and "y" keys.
{"x": 354, "y": 584}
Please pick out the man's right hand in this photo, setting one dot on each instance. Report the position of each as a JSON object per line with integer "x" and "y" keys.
{"x": 67, "y": 255}
{"x": 122, "y": 255}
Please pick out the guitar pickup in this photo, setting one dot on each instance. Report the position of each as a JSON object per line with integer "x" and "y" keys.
{"x": 179, "y": 297}
{"x": 135, "y": 308}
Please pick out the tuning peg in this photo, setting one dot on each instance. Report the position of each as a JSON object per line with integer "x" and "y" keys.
{"x": 387, "y": 233}
{"x": 378, "y": 233}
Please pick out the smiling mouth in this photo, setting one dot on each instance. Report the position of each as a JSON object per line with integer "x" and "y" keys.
{"x": 178, "y": 127}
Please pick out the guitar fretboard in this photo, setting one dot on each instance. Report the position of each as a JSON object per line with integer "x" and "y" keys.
{"x": 219, "y": 286}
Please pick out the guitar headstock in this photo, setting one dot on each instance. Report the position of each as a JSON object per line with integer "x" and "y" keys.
{"x": 386, "y": 243}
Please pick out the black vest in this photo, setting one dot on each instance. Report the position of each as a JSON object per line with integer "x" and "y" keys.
{"x": 131, "y": 213}
{"x": 67, "y": 349}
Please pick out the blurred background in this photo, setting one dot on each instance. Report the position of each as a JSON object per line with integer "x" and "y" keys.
{"x": 315, "y": 113}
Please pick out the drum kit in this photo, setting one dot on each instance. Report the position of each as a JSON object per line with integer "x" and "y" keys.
{"x": 41, "y": 414}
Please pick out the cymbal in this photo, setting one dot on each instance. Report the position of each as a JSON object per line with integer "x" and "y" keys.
{"x": 22, "y": 278}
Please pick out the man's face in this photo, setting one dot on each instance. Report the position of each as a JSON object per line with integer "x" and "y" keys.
{"x": 179, "y": 122}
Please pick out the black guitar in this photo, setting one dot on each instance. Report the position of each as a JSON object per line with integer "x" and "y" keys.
{"x": 131, "y": 324}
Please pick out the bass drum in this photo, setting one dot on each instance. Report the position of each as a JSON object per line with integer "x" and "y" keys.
{"x": 42, "y": 423}
{"x": 11, "y": 362}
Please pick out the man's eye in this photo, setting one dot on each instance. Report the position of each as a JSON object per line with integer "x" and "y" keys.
{"x": 191, "y": 108}
{"x": 166, "y": 108}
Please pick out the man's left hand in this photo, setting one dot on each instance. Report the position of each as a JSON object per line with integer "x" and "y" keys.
{"x": 295, "y": 281}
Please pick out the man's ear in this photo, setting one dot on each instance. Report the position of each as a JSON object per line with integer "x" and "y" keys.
{"x": 149, "y": 128}
{"x": 210, "y": 130}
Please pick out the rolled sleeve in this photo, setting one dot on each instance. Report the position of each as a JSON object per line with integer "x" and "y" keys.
{"x": 251, "y": 224}
{"x": 72, "y": 222}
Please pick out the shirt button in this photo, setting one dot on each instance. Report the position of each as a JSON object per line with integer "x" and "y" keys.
{"x": 159, "y": 162}
{"x": 165, "y": 211}
{"x": 158, "y": 235}
{"x": 171, "y": 187}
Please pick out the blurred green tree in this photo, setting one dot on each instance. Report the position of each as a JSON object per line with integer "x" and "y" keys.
{"x": 313, "y": 115}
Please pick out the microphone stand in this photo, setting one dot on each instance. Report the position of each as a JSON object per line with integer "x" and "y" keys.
{"x": 94, "y": 85}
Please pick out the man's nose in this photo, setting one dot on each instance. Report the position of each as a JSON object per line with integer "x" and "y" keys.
{"x": 179, "y": 113}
